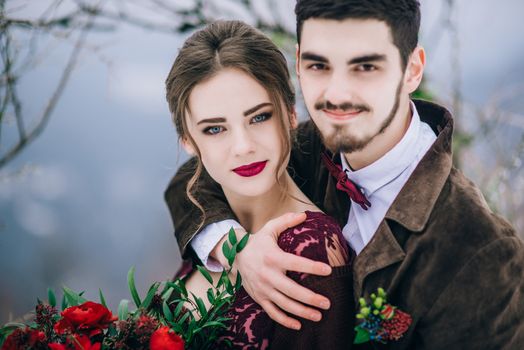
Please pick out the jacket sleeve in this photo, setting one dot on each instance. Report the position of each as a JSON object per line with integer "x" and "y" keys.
{"x": 483, "y": 306}
{"x": 188, "y": 219}
{"x": 336, "y": 329}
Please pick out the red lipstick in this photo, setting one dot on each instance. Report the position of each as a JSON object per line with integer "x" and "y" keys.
{"x": 250, "y": 169}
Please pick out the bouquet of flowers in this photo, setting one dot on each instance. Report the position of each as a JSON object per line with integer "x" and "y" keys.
{"x": 168, "y": 317}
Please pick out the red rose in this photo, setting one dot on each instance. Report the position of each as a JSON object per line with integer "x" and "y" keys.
{"x": 24, "y": 338}
{"x": 78, "y": 342}
{"x": 164, "y": 339}
{"x": 89, "y": 317}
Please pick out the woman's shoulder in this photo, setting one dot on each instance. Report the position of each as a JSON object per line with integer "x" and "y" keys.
{"x": 320, "y": 220}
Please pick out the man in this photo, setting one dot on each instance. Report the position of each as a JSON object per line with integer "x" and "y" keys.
{"x": 423, "y": 233}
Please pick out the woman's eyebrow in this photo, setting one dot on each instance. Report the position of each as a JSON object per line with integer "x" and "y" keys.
{"x": 212, "y": 120}
{"x": 256, "y": 108}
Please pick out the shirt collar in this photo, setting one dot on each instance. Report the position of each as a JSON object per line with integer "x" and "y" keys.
{"x": 390, "y": 165}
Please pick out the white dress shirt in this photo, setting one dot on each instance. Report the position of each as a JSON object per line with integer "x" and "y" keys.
{"x": 383, "y": 179}
{"x": 381, "y": 182}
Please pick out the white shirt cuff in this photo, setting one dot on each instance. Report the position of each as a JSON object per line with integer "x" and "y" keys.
{"x": 204, "y": 242}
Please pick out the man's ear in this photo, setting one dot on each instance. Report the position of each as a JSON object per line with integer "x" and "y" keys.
{"x": 297, "y": 60}
{"x": 188, "y": 146}
{"x": 415, "y": 69}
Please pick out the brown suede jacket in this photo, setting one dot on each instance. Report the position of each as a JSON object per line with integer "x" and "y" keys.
{"x": 441, "y": 254}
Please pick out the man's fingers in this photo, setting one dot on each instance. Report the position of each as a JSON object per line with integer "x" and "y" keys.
{"x": 291, "y": 262}
{"x": 283, "y": 222}
{"x": 279, "y": 316}
{"x": 295, "y": 291}
{"x": 295, "y": 308}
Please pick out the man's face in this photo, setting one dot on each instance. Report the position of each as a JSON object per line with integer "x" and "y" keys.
{"x": 351, "y": 77}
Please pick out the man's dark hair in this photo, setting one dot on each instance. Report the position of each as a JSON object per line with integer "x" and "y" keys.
{"x": 401, "y": 16}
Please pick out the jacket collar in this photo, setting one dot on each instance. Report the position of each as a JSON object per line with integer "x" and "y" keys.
{"x": 414, "y": 203}
{"x": 416, "y": 200}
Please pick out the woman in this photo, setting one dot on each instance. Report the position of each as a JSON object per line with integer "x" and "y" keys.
{"x": 232, "y": 102}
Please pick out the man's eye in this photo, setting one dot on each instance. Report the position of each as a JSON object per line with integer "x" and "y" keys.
{"x": 259, "y": 118}
{"x": 213, "y": 130}
{"x": 317, "y": 66}
{"x": 366, "y": 68}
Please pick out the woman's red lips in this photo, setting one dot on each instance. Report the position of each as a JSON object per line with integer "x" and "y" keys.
{"x": 250, "y": 169}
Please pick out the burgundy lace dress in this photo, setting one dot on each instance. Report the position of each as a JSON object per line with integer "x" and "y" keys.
{"x": 319, "y": 235}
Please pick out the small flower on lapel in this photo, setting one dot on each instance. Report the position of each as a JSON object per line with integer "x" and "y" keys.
{"x": 380, "y": 321}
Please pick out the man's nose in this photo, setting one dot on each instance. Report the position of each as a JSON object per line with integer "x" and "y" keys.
{"x": 338, "y": 90}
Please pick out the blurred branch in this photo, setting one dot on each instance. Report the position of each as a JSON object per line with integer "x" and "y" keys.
{"x": 11, "y": 96}
{"x": 83, "y": 18}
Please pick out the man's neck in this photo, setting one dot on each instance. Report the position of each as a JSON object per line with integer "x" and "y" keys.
{"x": 383, "y": 142}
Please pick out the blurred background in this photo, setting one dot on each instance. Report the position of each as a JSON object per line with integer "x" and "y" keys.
{"x": 87, "y": 146}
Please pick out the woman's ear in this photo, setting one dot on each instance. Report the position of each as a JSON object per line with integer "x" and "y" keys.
{"x": 188, "y": 146}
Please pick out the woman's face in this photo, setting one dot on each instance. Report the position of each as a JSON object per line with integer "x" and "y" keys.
{"x": 233, "y": 124}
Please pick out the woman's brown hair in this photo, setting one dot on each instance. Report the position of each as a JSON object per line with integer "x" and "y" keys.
{"x": 229, "y": 44}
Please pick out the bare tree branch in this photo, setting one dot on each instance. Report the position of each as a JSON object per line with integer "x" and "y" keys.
{"x": 39, "y": 127}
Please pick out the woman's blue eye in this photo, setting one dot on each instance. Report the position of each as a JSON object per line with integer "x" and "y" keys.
{"x": 213, "y": 130}
{"x": 261, "y": 117}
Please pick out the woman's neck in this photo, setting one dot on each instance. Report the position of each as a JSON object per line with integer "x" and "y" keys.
{"x": 253, "y": 212}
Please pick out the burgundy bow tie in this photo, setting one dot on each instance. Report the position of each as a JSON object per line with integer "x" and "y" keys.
{"x": 344, "y": 184}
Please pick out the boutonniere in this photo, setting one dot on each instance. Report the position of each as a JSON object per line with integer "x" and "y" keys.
{"x": 380, "y": 321}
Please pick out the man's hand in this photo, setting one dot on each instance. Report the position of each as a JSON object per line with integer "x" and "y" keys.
{"x": 263, "y": 265}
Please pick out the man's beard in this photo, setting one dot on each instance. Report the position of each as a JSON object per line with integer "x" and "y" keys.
{"x": 339, "y": 141}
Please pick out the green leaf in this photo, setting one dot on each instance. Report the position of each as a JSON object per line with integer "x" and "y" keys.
{"x": 362, "y": 336}
{"x": 211, "y": 296}
{"x": 167, "y": 312}
{"x": 123, "y": 309}
{"x": 242, "y": 244}
{"x": 223, "y": 277}
{"x": 64, "y": 302}
{"x": 150, "y": 295}
{"x": 184, "y": 317}
{"x": 167, "y": 293}
{"x": 226, "y": 250}
{"x": 132, "y": 286}
{"x": 183, "y": 289}
{"x": 177, "y": 328}
{"x": 73, "y": 299}
{"x": 231, "y": 258}
{"x": 229, "y": 287}
{"x": 232, "y": 236}
{"x": 205, "y": 273}
{"x": 214, "y": 324}
{"x": 51, "y": 298}
{"x": 102, "y": 299}
{"x": 201, "y": 307}
{"x": 238, "y": 282}
{"x": 178, "y": 309}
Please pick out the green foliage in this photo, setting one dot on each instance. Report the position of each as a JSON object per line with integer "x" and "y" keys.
{"x": 168, "y": 303}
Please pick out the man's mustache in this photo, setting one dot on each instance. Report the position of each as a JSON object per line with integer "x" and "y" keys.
{"x": 345, "y": 106}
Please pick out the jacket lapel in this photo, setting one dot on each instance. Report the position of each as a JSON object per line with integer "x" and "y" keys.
{"x": 381, "y": 252}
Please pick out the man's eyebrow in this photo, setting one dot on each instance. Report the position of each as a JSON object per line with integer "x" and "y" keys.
{"x": 368, "y": 58}
{"x": 313, "y": 57}
{"x": 212, "y": 120}
{"x": 256, "y": 108}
